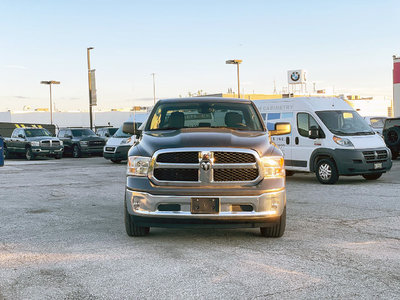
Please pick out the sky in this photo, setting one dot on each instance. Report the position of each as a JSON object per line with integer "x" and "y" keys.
{"x": 344, "y": 45}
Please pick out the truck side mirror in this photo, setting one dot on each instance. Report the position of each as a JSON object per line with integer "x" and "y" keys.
{"x": 68, "y": 136}
{"x": 21, "y": 136}
{"x": 107, "y": 134}
{"x": 128, "y": 127}
{"x": 313, "y": 133}
{"x": 280, "y": 129}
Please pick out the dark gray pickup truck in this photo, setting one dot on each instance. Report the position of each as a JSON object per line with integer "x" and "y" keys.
{"x": 33, "y": 142}
{"x": 205, "y": 162}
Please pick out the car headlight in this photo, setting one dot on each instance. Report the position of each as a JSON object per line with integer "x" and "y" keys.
{"x": 84, "y": 143}
{"x": 61, "y": 143}
{"x": 138, "y": 165}
{"x": 274, "y": 166}
{"x": 342, "y": 141}
{"x": 35, "y": 144}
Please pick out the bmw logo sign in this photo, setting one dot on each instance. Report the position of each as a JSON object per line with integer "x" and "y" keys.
{"x": 295, "y": 76}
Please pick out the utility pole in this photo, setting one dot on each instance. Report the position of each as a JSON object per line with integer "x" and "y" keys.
{"x": 236, "y": 62}
{"x": 90, "y": 88}
{"x": 50, "y": 82}
{"x": 154, "y": 87}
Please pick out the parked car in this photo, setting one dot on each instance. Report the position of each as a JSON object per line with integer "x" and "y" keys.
{"x": 33, "y": 142}
{"x": 106, "y": 132}
{"x": 81, "y": 141}
{"x": 327, "y": 137}
{"x": 391, "y": 134}
{"x": 376, "y": 123}
{"x": 117, "y": 147}
{"x": 205, "y": 163}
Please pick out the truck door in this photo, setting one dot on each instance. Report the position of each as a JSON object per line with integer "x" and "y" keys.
{"x": 19, "y": 141}
{"x": 284, "y": 142}
{"x": 303, "y": 145}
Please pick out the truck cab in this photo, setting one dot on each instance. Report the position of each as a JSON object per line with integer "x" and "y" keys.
{"x": 205, "y": 162}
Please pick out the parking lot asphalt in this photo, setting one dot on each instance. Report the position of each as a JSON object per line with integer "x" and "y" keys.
{"x": 62, "y": 236}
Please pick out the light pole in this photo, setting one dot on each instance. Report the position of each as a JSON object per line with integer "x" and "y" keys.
{"x": 154, "y": 87}
{"x": 236, "y": 62}
{"x": 50, "y": 82}
{"x": 90, "y": 88}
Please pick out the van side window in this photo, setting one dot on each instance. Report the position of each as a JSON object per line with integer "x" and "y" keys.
{"x": 304, "y": 122}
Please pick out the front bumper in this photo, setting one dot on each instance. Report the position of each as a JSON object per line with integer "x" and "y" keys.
{"x": 40, "y": 151}
{"x": 92, "y": 150}
{"x": 353, "y": 162}
{"x": 266, "y": 209}
{"x": 118, "y": 153}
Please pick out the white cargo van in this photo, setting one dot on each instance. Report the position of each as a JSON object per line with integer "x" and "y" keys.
{"x": 326, "y": 136}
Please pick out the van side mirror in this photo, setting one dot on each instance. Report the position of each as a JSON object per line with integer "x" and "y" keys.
{"x": 313, "y": 133}
{"x": 128, "y": 127}
{"x": 280, "y": 129}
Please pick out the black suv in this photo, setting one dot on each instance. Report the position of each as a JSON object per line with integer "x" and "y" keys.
{"x": 79, "y": 141}
{"x": 391, "y": 133}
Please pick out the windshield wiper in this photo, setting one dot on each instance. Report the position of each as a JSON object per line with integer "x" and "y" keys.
{"x": 363, "y": 133}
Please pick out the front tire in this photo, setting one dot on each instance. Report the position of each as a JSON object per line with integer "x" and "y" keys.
{"x": 276, "y": 230}
{"x": 372, "y": 176}
{"x": 326, "y": 171}
{"x": 76, "y": 152}
{"x": 28, "y": 154}
{"x": 131, "y": 228}
{"x": 58, "y": 156}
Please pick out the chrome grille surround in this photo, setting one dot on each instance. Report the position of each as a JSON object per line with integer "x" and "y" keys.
{"x": 205, "y": 167}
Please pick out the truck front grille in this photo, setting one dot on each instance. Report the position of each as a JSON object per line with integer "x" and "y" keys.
{"x": 235, "y": 174}
{"x": 205, "y": 166}
{"x": 375, "y": 156}
{"x": 233, "y": 158}
{"x": 179, "y": 157}
{"x": 97, "y": 143}
{"x": 177, "y": 174}
{"x": 49, "y": 143}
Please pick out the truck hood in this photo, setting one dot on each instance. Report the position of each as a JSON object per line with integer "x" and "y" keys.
{"x": 42, "y": 138}
{"x": 203, "y": 137}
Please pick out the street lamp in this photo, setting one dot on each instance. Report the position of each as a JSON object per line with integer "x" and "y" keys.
{"x": 50, "y": 82}
{"x": 236, "y": 62}
{"x": 154, "y": 87}
{"x": 90, "y": 88}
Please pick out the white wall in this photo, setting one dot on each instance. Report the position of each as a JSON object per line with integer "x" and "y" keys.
{"x": 5, "y": 116}
{"x": 76, "y": 119}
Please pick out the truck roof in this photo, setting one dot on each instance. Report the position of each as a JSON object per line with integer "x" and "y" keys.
{"x": 204, "y": 99}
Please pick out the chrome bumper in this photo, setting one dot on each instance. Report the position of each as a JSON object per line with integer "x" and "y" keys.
{"x": 266, "y": 205}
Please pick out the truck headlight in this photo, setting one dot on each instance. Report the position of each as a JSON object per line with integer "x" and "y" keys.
{"x": 138, "y": 165}
{"x": 274, "y": 166}
{"x": 342, "y": 141}
{"x": 35, "y": 143}
{"x": 61, "y": 143}
{"x": 84, "y": 143}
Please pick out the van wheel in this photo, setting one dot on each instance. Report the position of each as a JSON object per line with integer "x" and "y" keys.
{"x": 276, "y": 230}
{"x": 327, "y": 172}
{"x": 131, "y": 228}
{"x": 28, "y": 154}
{"x": 372, "y": 176}
{"x": 76, "y": 152}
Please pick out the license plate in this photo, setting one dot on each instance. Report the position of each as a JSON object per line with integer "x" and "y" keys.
{"x": 377, "y": 165}
{"x": 204, "y": 206}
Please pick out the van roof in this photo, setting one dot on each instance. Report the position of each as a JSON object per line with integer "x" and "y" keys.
{"x": 303, "y": 103}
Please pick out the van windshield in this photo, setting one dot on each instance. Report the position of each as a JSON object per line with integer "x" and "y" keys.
{"x": 178, "y": 115}
{"x": 345, "y": 122}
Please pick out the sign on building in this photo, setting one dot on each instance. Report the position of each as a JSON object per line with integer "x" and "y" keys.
{"x": 296, "y": 76}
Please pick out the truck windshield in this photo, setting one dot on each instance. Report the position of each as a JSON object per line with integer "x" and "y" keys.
{"x": 345, "y": 122}
{"x": 82, "y": 132}
{"x": 37, "y": 132}
{"x": 237, "y": 116}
